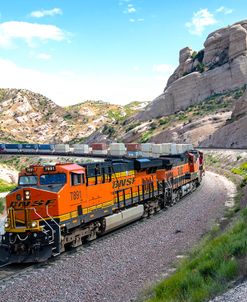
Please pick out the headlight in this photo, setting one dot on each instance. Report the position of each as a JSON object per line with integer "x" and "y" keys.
{"x": 6, "y": 224}
{"x": 34, "y": 224}
{"x": 27, "y": 194}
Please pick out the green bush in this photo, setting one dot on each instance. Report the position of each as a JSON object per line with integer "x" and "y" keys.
{"x": 199, "y": 56}
{"x": 108, "y": 130}
{"x": 2, "y": 203}
{"x": 68, "y": 116}
{"x": 5, "y": 187}
{"x": 242, "y": 171}
{"x": 200, "y": 67}
{"x": 145, "y": 137}
{"x": 164, "y": 121}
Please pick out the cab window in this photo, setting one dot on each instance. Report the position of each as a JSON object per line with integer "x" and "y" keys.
{"x": 28, "y": 180}
{"x": 77, "y": 179}
{"x": 50, "y": 179}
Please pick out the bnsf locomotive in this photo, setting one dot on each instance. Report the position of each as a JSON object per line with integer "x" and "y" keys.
{"x": 57, "y": 207}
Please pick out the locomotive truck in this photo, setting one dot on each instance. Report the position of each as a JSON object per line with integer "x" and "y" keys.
{"x": 56, "y": 207}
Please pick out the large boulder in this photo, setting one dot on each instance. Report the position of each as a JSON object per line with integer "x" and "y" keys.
{"x": 237, "y": 41}
{"x": 185, "y": 54}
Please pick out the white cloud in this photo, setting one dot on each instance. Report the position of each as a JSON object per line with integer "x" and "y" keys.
{"x": 43, "y": 56}
{"x": 130, "y": 9}
{"x": 123, "y": 2}
{"x": 200, "y": 20}
{"x": 44, "y": 13}
{"x": 133, "y": 20}
{"x": 224, "y": 10}
{"x": 67, "y": 87}
{"x": 163, "y": 68}
{"x": 26, "y": 31}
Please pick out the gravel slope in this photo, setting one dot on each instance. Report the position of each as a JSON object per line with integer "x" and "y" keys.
{"x": 237, "y": 294}
{"x": 120, "y": 266}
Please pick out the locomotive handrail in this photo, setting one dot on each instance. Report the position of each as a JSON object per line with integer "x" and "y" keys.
{"x": 50, "y": 227}
{"x": 59, "y": 227}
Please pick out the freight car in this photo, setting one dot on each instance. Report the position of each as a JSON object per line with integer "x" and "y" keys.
{"x": 61, "y": 206}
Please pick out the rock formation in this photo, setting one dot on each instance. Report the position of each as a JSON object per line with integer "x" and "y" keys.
{"x": 221, "y": 66}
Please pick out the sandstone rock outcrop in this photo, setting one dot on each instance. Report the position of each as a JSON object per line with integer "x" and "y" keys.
{"x": 221, "y": 66}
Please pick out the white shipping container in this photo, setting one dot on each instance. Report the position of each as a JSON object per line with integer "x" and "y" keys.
{"x": 117, "y": 147}
{"x": 169, "y": 148}
{"x": 62, "y": 148}
{"x": 157, "y": 148}
{"x": 99, "y": 152}
{"x": 117, "y": 153}
{"x": 81, "y": 148}
{"x": 180, "y": 148}
{"x": 173, "y": 149}
{"x": 190, "y": 147}
{"x": 166, "y": 148}
{"x": 146, "y": 147}
{"x": 186, "y": 147}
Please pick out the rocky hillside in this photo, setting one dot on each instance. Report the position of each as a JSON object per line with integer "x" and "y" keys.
{"x": 30, "y": 117}
{"x": 234, "y": 132}
{"x": 194, "y": 125}
{"x": 218, "y": 68}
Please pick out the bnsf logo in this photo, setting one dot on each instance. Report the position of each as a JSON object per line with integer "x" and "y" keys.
{"x": 22, "y": 204}
{"x": 123, "y": 182}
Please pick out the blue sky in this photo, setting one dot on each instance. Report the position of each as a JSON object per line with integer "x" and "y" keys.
{"x": 113, "y": 50}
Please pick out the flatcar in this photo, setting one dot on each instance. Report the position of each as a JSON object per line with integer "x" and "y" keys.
{"x": 57, "y": 207}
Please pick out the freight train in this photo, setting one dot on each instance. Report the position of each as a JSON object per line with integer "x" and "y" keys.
{"x": 56, "y": 207}
{"x": 97, "y": 149}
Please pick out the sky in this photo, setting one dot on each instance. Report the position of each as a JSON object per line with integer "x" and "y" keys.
{"x": 117, "y": 51}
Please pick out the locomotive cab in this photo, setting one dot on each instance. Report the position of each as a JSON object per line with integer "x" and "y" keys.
{"x": 35, "y": 209}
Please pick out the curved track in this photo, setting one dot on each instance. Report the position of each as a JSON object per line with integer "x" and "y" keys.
{"x": 120, "y": 265}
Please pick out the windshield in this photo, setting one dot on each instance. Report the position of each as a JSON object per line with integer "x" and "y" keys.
{"x": 28, "y": 180}
{"x": 49, "y": 179}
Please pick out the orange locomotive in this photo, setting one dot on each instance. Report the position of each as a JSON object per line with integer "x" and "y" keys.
{"x": 61, "y": 206}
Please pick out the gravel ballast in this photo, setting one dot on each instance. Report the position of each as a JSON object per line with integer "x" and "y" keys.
{"x": 120, "y": 266}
